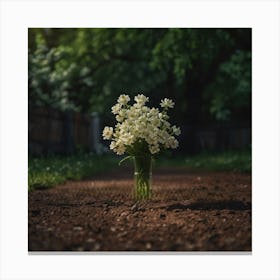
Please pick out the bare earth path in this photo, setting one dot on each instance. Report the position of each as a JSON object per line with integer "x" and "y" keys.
{"x": 190, "y": 211}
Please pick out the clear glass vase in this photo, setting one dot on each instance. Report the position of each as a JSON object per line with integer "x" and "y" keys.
{"x": 142, "y": 177}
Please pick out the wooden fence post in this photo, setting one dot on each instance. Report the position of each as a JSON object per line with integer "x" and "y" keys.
{"x": 69, "y": 141}
{"x": 95, "y": 133}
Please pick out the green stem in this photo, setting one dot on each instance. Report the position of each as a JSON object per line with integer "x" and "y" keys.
{"x": 142, "y": 177}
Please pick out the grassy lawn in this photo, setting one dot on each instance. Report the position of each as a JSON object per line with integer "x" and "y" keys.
{"x": 53, "y": 170}
{"x": 227, "y": 161}
{"x": 50, "y": 171}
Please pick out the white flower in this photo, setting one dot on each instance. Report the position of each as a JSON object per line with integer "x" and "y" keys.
{"x": 120, "y": 150}
{"x": 154, "y": 149}
{"x": 121, "y": 115}
{"x": 167, "y": 103}
{"x": 116, "y": 108}
{"x": 113, "y": 145}
{"x": 171, "y": 142}
{"x": 155, "y": 122}
{"x": 141, "y": 99}
{"x": 123, "y": 99}
{"x": 174, "y": 143}
{"x": 176, "y": 130}
{"x": 127, "y": 139}
{"x": 107, "y": 132}
{"x": 140, "y": 128}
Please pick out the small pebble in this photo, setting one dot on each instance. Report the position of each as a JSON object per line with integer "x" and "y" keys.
{"x": 123, "y": 214}
{"x": 77, "y": 228}
{"x": 96, "y": 247}
{"x": 90, "y": 240}
{"x": 148, "y": 245}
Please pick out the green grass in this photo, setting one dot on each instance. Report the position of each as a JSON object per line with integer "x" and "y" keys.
{"x": 53, "y": 170}
{"x": 227, "y": 161}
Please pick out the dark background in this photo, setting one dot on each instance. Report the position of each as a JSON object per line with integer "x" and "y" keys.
{"x": 75, "y": 72}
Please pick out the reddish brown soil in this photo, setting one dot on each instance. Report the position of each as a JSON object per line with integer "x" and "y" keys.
{"x": 190, "y": 211}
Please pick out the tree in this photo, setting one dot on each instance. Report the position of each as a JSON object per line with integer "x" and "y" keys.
{"x": 207, "y": 71}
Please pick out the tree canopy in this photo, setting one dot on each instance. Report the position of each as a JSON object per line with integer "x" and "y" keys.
{"x": 206, "y": 71}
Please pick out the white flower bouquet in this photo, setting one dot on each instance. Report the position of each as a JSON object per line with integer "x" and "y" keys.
{"x": 141, "y": 132}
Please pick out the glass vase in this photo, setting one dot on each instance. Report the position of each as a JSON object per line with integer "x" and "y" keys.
{"x": 142, "y": 177}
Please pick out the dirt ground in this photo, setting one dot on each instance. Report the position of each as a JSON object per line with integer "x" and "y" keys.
{"x": 189, "y": 211}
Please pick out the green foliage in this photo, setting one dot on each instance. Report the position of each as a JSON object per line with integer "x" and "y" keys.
{"x": 47, "y": 172}
{"x": 174, "y": 52}
{"x": 227, "y": 161}
{"x": 87, "y": 69}
{"x": 50, "y": 74}
{"x": 231, "y": 90}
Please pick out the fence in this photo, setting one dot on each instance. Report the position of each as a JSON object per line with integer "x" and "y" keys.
{"x": 217, "y": 137}
{"x": 232, "y": 136}
{"x": 52, "y": 131}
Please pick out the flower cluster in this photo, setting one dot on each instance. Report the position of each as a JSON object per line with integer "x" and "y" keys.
{"x": 140, "y": 129}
